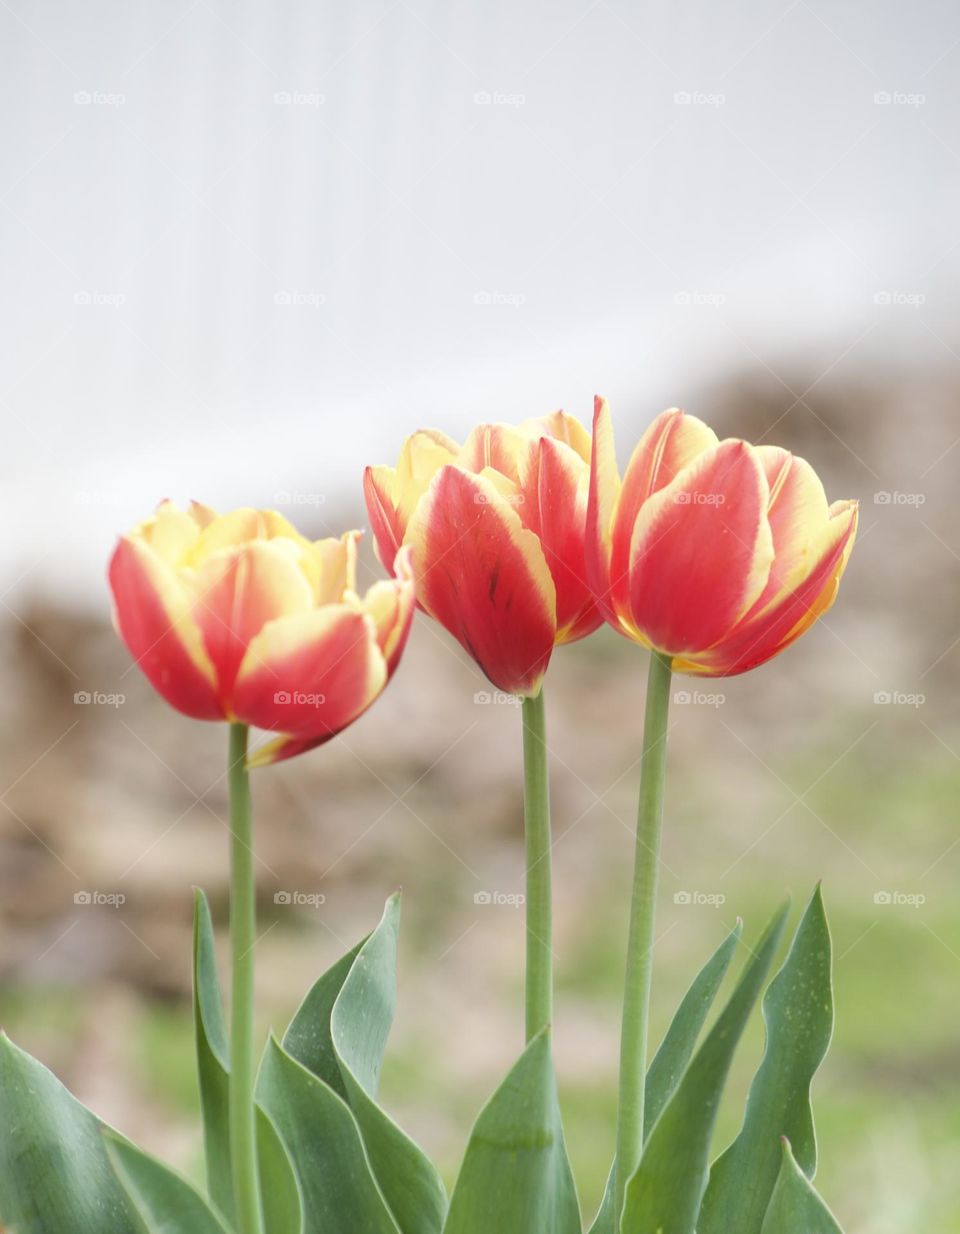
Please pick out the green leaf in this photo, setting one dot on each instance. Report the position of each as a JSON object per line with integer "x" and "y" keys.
{"x": 795, "y": 1208}
{"x": 282, "y": 1208}
{"x": 798, "y": 1013}
{"x": 664, "y": 1194}
{"x": 54, "y": 1171}
{"x": 340, "y": 1034}
{"x": 675, "y": 1052}
{"x": 340, "y": 1193}
{"x": 680, "y": 1039}
{"x": 280, "y": 1196}
{"x": 213, "y": 1058}
{"x": 165, "y": 1202}
{"x": 515, "y": 1175}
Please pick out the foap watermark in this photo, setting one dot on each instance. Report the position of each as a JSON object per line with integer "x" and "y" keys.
{"x": 98, "y": 98}
{"x": 898, "y": 698}
{"x": 489, "y": 698}
{"x": 299, "y": 98}
{"x": 899, "y": 899}
{"x": 98, "y": 698}
{"x": 496, "y": 498}
{"x": 287, "y": 497}
{"x": 711, "y": 899}
{"x": 687, "y": 498}
{"x": 298, "y": 698}
{"x": 698, "y": 98}
{"x": 99, "y": 299}
{"x": 299, "y": 899}
{"x": 899, "y": 98}
{"x": 709, "y": 299}
{"x": 698, "y": 698}
{"x": 499, "y": 299}
{"x": 299, "y": 299}
{"x": 96, "y": 497}
{"x": 909, "y": 299}
{"x": 508, "y": 899}
{"x": 887, "y": 498}
{"x": 499, "y": 98}
{"x": 99, "y": 899}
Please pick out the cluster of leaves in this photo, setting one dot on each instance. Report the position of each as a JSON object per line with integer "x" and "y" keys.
{"x": 333, "y": 1162}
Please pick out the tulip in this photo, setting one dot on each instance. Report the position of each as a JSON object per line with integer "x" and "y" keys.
{"x": 716, "y": 554}
{"x": 238, "y": 617}
{"x": 497, "y": 532}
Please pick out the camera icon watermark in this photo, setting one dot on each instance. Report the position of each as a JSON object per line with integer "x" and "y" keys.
{"x": 895, "y": 498}
{"x": 99, "y": 899}
{"x": 489, "y": 698}
{"x": 299, "y": 698}
{"x": 899, "y": 698}
{"x": 98, "y": 698}
{"x": 899, "y": 899}
{"x": 508, "y": 899}
{"x": 709, "y": 899}
{"x": 299, "y": 899}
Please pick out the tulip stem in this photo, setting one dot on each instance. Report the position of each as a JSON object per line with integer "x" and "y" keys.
{"x": 536, "y": 812}
{"x": 636, "y": 999}
{"x": 243, "y": 1132}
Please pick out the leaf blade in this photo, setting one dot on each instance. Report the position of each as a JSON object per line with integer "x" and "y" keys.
{"x": 665, "y": 1191}
{"x": 795, "y": 1207}
{"x": 515, "y": 1174}
{"x": 164, "y": 1202}
{"x": 798, "y": 1014}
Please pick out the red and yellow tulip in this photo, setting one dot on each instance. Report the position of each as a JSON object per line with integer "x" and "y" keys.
{"x": 497, "y": 528}
{"x": 238, "y": 617}
{"x": 718, "y": 554}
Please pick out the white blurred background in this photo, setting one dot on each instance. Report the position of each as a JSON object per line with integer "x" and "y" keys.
{"x": 246, "y": 247}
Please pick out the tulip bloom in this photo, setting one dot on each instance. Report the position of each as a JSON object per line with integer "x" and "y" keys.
{"x": 497, "y": 532}
{"x": 240, "y": 618}
{"x": 717, "y": 554}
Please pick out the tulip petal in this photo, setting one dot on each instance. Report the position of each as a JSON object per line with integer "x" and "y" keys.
{"x": 336, "y": 566}
{"x": 237, "y": 591}
{"x": 671, "y": 443}
{"x": 758, "y": 639}
{"x": 391, "y": 604}
{"x": 798, "y": 513}
{"x": 151, "y": 612}
{"x": 379, "y": 491}
{"x": 309, "y": 675}
{"x": 484, "y": 577}
{"x": 555, "y": 490}
{"x": 171, "y": 532}
{"x": 701, "y": 551}
{"x": 241, "y": 526}
{"x": 562, "y": 427}
{"x": 498, "y": 447}
{"x": 601, "y": 506}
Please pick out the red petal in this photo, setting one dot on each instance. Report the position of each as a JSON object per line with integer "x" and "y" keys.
{"x": 152, "y": 617}
{"x": 701, "y": 551}
{"x": 311, "y": 674}
{"x": 484, "y": 577}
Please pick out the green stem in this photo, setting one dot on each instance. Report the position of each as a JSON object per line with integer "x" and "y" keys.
{"x": 636, "y": 998}
{"x": 536, "y": 812}
{"x": 243, "y": 1133}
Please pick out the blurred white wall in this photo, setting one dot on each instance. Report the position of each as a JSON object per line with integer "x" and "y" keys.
{"x": 247, "y": 247}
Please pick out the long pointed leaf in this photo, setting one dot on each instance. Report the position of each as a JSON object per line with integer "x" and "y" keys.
{"x": 516, "y": 1176}
{"x": 165, "y": 1202}
{"x": 340, "y": 1034}
{"x": 54, "y": 1170}
{"x": 340, "y": 1193}
{"x": 676, "y": 1050}
{"x": 664, "y": 1194}
{"x": 798, "y": 1013}
{"x": 795, "y": 1208}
